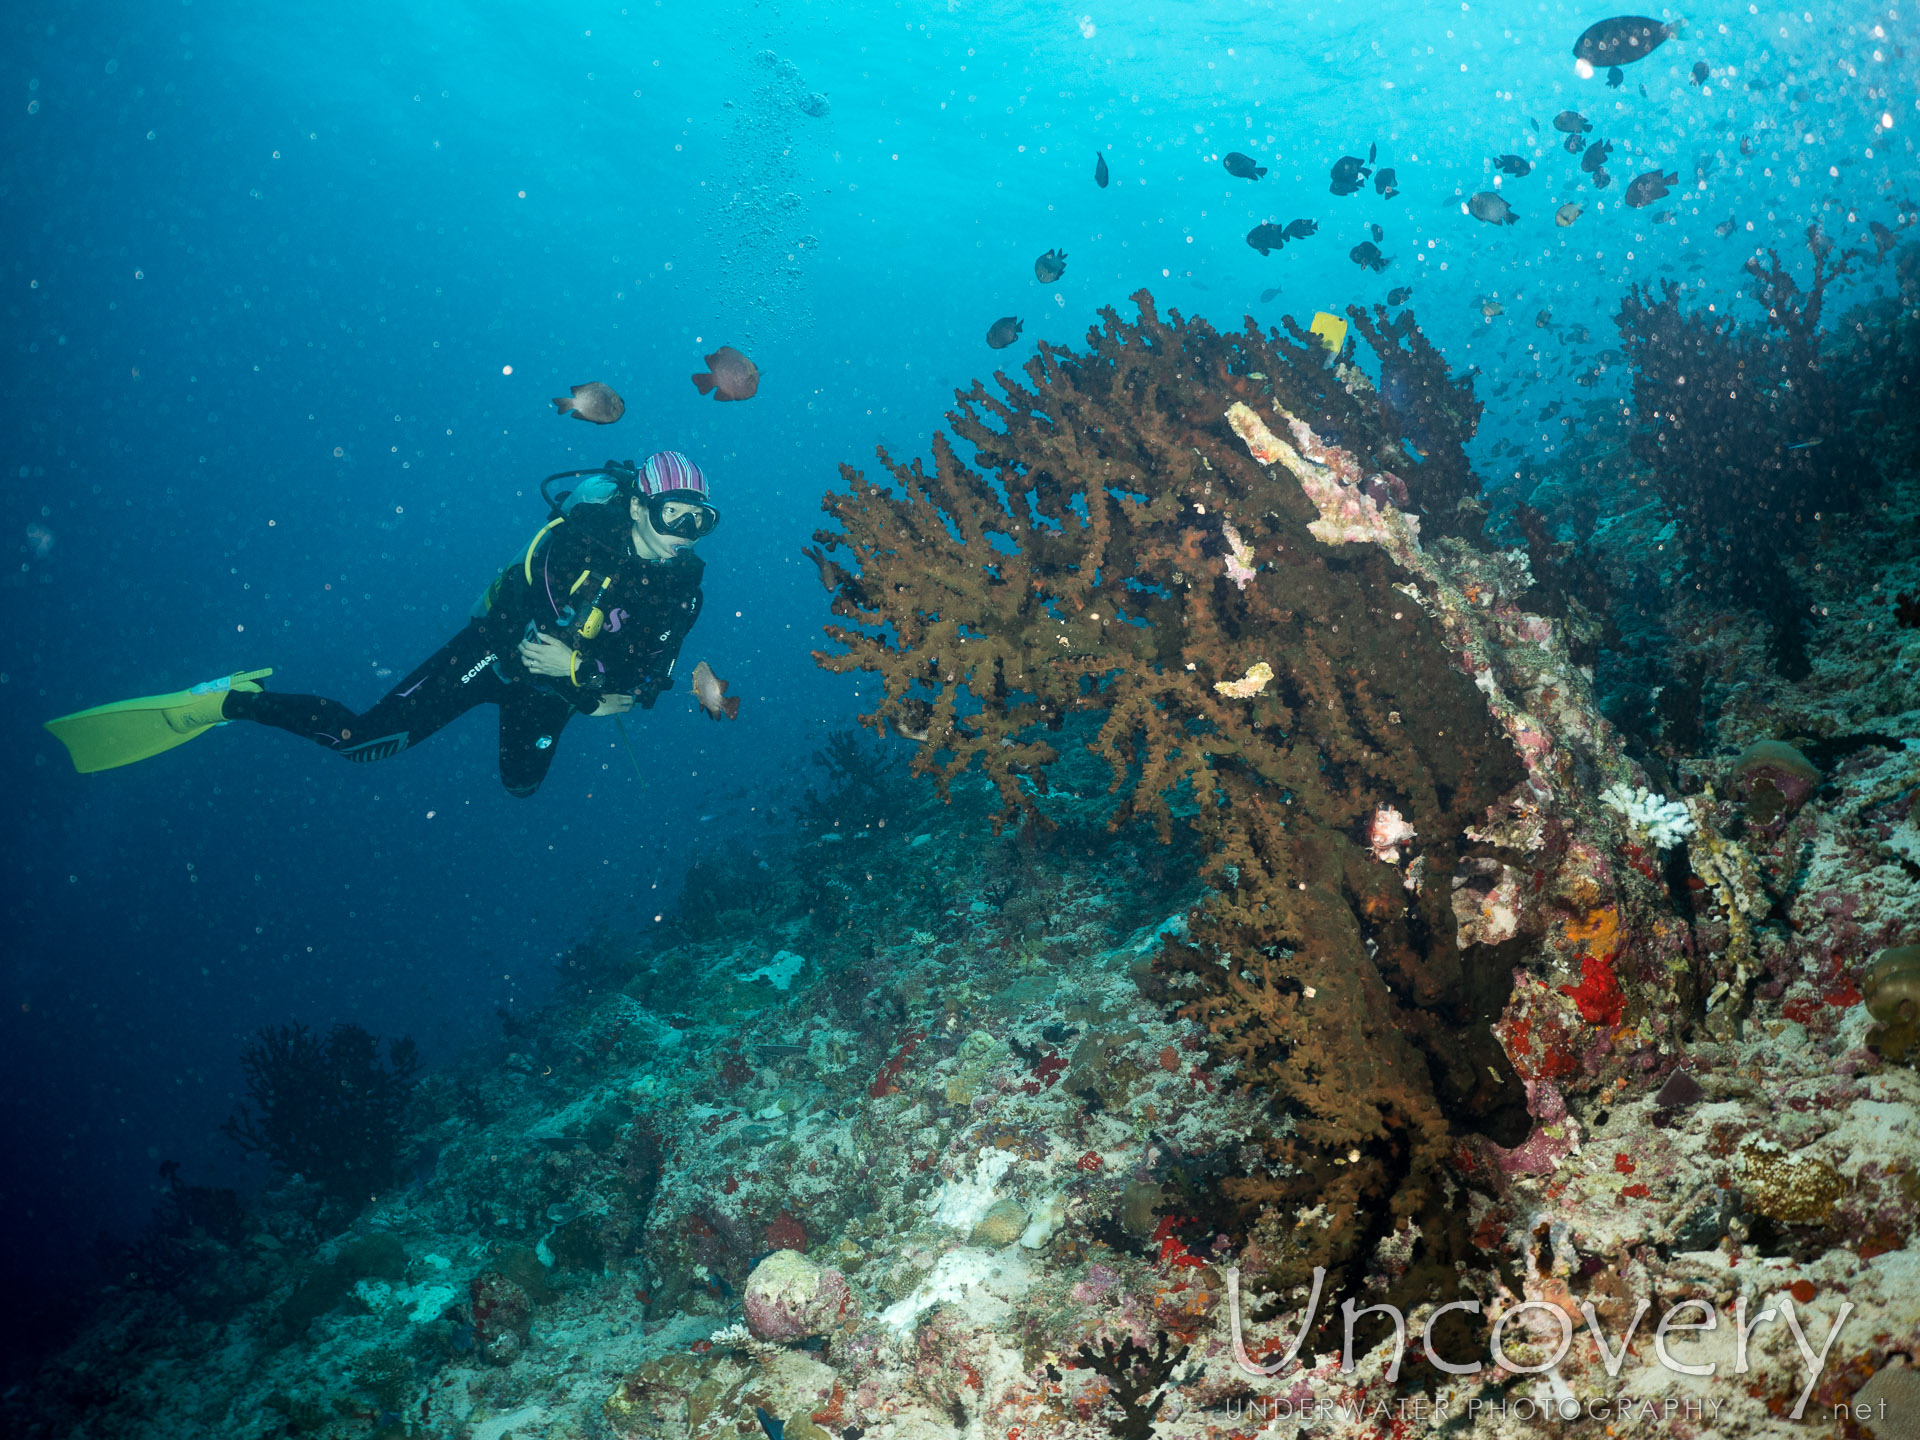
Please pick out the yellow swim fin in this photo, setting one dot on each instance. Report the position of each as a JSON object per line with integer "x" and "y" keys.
{"x": 1330, "y": 330}
{"x": 130, "y": 730}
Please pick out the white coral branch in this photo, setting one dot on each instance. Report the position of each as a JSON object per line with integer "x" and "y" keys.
{"x": 1665, "y": 822}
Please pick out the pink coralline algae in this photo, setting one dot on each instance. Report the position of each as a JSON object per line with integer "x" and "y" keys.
{"x": 788, "y": 1297}
{"x": 1554, "y": 1136}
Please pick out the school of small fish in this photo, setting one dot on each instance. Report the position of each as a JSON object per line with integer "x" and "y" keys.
{"x": 1612, "y": 45}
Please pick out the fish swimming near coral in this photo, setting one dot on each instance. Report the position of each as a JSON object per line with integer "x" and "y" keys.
{"x": 1301, "y": 229}
{"x": 1649, "y": 187}
{"x": 730, "y": 376}
{"x": 1004, "y": 331}
{"x": 1099, "y": 169}
{"x": 1622, "y": 40}
{"x": 711, "y": 691}
{"x": 1268, "y": 295}
{"x": 1616, "y": 77}
{"x": 1725, "y": 227}
{"x": 1514, "y": 165}
{"x": 1596, "y": 156}
{"x": 1491, "y": 208}
{"x": 1050, "y": 266}
{"x": 1601, "y": 179}
{"x": 1368, "y": 257}
{"x": 1544, "y": 320}
{"x": 1386, "y": 184}
{"x": 1572, "y": 122}
{"x": 1567, "y": 214}
{"x": 1400, "y": 295}
{"x": 592, "y": 402}
{"x": 832, "y": 574}
{"x": 1242, "y": 166}
{"x": 1702, "y": 72}
{"x": 1268, "y": 237}
{"x": 1490, "y": 308}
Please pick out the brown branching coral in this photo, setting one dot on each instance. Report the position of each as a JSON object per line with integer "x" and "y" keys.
{"x": 1425, "y": 407}
{"x": 1123, "y": 550}
{"x": 1747, "y": 434}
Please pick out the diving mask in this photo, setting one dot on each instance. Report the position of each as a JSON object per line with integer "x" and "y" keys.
{"x": 696, "y": 517}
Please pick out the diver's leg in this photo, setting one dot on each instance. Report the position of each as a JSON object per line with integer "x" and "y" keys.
{"x": 530, "y": 725}
{"x": 450, "y": 682}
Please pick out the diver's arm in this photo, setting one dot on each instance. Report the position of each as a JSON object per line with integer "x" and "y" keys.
{"x": 552, "y": 658}
{"x": 520, "y": 625}
{"x": 657, "y": 668}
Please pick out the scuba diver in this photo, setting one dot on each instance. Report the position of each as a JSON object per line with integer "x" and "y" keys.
{"x": 587, "y": 621}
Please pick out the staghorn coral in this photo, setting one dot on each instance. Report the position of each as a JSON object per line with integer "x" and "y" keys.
{"x": 1098, "y": 562}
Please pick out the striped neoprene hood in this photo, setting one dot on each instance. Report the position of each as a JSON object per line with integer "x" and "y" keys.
{"x": 668, "y": 472}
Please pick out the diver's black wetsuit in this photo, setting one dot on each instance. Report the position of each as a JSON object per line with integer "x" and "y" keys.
{"x": 648, "y": 607}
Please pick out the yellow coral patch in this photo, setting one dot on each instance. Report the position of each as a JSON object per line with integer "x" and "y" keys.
{"x": 1798, "y": 1191}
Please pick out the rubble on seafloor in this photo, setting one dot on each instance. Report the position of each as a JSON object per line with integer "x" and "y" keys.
{"x": 943, "y": 1168}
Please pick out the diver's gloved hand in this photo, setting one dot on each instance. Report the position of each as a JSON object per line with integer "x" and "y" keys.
{"x": 614, "y": 705}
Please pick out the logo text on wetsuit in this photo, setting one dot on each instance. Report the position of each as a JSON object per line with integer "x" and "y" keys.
{"x": 482, "y": 664}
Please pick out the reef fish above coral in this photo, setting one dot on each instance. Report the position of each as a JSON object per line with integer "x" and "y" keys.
{"x": 983, "y": 1097}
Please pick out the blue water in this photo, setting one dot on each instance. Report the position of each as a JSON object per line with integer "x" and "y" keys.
{"x": 288, "y": 290}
